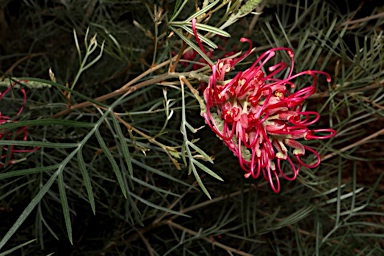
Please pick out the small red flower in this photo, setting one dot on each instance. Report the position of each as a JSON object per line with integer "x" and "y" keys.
{"x": 21, "y": 133}
{"x": 259, "y": 119}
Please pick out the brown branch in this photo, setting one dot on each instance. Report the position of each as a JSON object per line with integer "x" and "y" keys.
{"x": 357, "y": 143}
{"x": 133, "y": 237}
{"x": 372, "y": 17}
{"x": 149, "y": 71}
{"x": 259, "y": 10}
{"x": 225, "y": 247}
{"x": 152, "y": 140}
{"x": 374, "y": 85}
{"x": 173, "y": 65}
{"x": 29, "y": 56}
{"x": 157, "y": 220}
{"x": 147, "y": 245}
{"x": 302, "y": 231}
{"x": 372, "y": 102}
{"x": 123, "y": 89}
{"x": 127, "y": 88}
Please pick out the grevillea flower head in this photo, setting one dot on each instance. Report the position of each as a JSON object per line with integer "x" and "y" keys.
{"x": 259, "y": 119}
{"x": 21, "y": 133}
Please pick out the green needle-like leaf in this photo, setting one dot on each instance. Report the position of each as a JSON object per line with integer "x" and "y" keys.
{"x": 112, "y": 161}
{"x": 123, "y": 144}
{"x": 194, "y": 46}
{"x": 207, "y": 170}
{"x": 86, "y": 180}
{"x": 27, "y": 211}
{"x": 65, "y": 206}
{"x": 8, "y": 252}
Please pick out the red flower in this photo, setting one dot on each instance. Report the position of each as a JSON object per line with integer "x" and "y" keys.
{"x": 259, "y": 119}
{"x": 19, "y": 134}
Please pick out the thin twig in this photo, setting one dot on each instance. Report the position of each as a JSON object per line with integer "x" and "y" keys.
{"x": 152, "y": 140}
{"x": 173, "y": 65}
{"x": 299, "y": 230}
{"x": 374, "y": 85}
{"x": 14, "y": 65}
{"x": 126, "y": 88}
{"x": 372, "y": 102}
{"x": 149, "y": 138}
{"x": 214, "y": 200}
{"x": 357, "y": 143}
{"x": 149, "y": 71}
{"x": 351, "y": 22}
{"x": 134, "y": 237}
{"x": 159, "y": 222}
{"x": 259, "y": 9}
{"x": 147, "y": 245}
{"x": 353, "y": 14}
{"x": 131, "y": 88}
{"x": 225, "y": 247}
{"x": 174, "y": 203}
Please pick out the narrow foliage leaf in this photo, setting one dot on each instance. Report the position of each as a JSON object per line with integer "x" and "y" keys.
{"x": 115, "y": 167}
